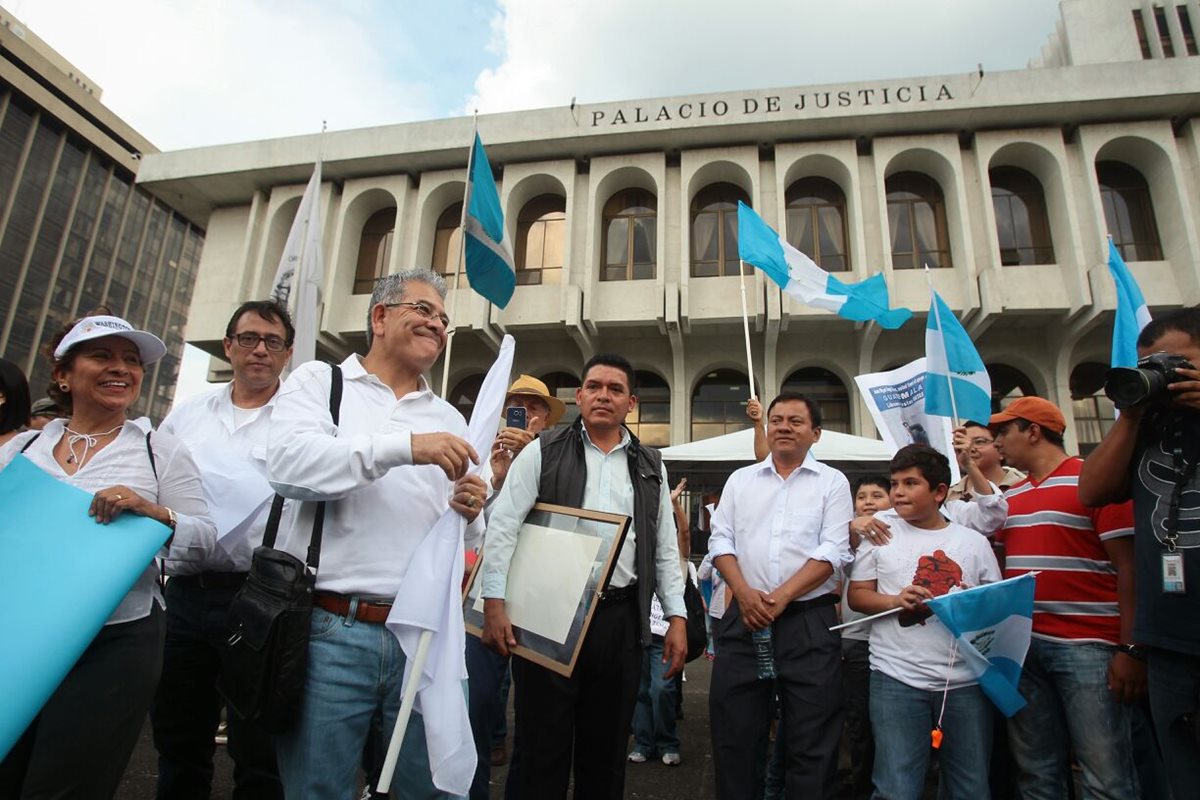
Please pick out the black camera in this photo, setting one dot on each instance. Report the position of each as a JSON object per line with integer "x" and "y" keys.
{"x": 1147, "y": 383}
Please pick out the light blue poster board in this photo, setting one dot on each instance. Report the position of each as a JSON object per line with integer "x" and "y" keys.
{"x": 61, "y": 577}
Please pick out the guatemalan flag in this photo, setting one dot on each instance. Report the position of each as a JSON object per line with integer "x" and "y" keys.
{"x": 953, "y": 364}
{"x": 992, "y": 625}
{"x": 801, "y": 278}
{"x": 1132, "y": 313}
{"x": 490, "y": 268}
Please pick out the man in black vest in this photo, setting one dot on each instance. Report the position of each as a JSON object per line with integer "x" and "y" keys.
{"x": 595, "y": 463}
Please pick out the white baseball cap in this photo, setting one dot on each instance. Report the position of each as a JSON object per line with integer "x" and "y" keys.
{"x": 88, "y": 328}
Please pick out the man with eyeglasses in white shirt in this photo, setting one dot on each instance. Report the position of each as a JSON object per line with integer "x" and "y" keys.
{"x": 387, "y": 471}
{"x": 226, "y": 430}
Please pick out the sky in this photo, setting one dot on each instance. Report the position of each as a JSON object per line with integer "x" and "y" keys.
{"x": 192, "y": 74}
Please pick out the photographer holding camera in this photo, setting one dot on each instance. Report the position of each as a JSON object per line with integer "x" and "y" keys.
{"x": 1151, "y": 454}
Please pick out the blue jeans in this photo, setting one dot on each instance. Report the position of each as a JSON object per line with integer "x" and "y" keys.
{"x": 654, "y": 715}
{"x": 1066, "y": 686}
{"x": 354, "y": 669}
{"x": 901, "y": 719}
{"x": 1174, "y": 699}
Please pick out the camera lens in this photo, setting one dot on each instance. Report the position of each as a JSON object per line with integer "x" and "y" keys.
{"x": 1130, "y": 387}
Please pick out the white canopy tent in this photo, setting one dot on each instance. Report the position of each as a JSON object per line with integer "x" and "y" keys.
{"x": 708, "y": 462}
{"x": 739, "y": 447}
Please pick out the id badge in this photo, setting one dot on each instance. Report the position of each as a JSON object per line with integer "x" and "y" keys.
{"x": 1172, "y": 573}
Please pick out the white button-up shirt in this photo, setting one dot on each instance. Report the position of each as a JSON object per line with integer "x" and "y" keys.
{"x": 125, "y": 462}
{"x": 382, "y": 504}
{"x": 206, "y": 423}
{"x": 608, "y": 488}
{"x": 774, "y": 525}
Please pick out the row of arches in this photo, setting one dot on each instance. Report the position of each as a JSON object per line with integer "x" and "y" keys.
{"x": 718, "y": 400}
{"x": 815, "y": 222}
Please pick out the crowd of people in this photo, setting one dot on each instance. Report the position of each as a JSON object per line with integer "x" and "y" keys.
{"x": 1111, "y": 681}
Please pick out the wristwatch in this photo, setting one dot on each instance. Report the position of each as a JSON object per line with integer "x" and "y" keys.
{"x": 1133, "y": 651}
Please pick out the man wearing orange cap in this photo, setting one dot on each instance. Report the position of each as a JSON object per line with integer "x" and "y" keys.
{"x": 1082, "y": 670}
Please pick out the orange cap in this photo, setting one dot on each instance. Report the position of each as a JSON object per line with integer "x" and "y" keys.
{"x": 1032, "y": 409}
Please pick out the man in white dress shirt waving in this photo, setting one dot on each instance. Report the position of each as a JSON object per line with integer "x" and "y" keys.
{"x": 387, "y": 472}
{"x": 780, "y": 538}
{"x": 226, "y": 430}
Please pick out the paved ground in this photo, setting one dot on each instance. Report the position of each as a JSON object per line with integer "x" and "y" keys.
{"x": 692, "y": 780}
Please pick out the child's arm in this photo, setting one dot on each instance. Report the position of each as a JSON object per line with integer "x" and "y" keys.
{"x": 865, "y": 598}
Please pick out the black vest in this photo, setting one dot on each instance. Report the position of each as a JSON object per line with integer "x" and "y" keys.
{"x": 564, "y": 475}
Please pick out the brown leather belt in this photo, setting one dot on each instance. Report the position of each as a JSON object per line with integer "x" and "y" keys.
{"x": 339, "y": 604}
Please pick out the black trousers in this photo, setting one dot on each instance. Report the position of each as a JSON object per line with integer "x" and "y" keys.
{"x": 80, "y": 742}
{"x": 187, "y": 707}
{"x": 809, "y": 684}
{"x": 584, "y": 720}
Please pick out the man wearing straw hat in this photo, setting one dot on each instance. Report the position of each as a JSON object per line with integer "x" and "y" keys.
{"x": 486, "y": 669}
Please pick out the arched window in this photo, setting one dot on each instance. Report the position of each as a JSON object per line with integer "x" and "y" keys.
{"x": 719, "y": 404}
{"x": 447, "y": 241}
{"x": 650, "y": 420}
{"x": 1093, "y": 411}
{"x": 917, "y": 221}
{"x": 629, "y": 236}
{"x": 1128, "y": 211}
{"x": 374, "y": 250}
{"x": 541, "y": 240}
{"x": 714, "y": 231}
{"x": 829, "y": 392}
{"x": 1022, "y": 225}
{"x": 1008, "y": 383}
{"x": 465, "y": 393}
{"x": 563, "y": 385}
{"x": 816, "y": 222}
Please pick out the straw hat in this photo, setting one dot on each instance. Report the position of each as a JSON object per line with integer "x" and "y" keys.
{"x": 527, "y": 384}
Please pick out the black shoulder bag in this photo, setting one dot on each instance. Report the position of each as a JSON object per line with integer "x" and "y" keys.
{"x": 697, "y": 633}
{"x": 266, "y": 656}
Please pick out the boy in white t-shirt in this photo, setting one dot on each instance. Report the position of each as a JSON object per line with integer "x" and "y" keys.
{"x": 917, "y": 683}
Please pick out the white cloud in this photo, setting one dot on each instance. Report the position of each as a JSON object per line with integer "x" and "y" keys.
{"x": 627, "y": 49}
{"x": 188, "y": 74}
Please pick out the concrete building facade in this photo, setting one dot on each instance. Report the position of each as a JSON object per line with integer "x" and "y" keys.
{"x": 624, "y": 219}
{"x": 75, "y": 233}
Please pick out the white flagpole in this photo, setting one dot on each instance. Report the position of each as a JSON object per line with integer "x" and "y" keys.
{"x": 406, "y": 706}
{"x": 746, "y": 326}
{"x": 871, "y": 618}
{"x": 462, "y": 255}
{"x": 937, "y": 317}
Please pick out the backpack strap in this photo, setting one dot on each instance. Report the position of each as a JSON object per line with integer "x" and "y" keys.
{"x": 313, "y": 558}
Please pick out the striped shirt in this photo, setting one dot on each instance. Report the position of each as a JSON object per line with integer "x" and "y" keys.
{"x": 1049, "y": 530}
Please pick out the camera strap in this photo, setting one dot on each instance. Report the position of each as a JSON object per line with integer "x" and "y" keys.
{"x": 1184, "y": 470}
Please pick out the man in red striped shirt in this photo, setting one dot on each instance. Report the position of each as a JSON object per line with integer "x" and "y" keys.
{"x": 1082, "y": 669}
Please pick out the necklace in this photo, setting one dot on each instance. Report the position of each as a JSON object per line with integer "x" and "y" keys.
{"x": 89, "y": 441}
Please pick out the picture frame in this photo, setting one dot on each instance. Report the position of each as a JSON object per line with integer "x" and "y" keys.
{"x": 563, "y": 559}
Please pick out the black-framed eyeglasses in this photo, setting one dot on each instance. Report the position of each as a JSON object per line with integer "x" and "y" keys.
{"x": 250, "y": 341}
{"x": 424, "y": 309}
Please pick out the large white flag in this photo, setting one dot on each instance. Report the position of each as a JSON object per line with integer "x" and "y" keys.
{"x": 301, "y": 271}
{"x": 430, "y": 600}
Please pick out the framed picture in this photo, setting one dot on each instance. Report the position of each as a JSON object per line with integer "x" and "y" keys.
{"x": 562, "y": 561}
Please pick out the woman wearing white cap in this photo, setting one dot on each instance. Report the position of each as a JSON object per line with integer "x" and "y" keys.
{"x": 80, "y": 742}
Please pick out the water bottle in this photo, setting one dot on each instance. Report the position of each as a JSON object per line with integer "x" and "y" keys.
{"x": 764, "y": 653}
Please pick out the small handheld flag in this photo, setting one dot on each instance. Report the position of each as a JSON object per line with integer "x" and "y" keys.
{"x": 992, "y": 626}
{"x": 490, "y": 267}
{"x": 957, "y": 384}
{"x": 803, "y": 279}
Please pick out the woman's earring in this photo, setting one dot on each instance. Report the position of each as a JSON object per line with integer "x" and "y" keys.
{"x": 62, "y": 387}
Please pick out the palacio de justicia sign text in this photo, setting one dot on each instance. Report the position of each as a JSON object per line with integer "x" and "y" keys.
{"x": 761, "y": 107}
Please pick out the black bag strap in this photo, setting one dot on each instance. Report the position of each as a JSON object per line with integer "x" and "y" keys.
{"x": 34, "y": 438}
{"x": 150, "y": 452}
{"x": 313, "y": 558}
